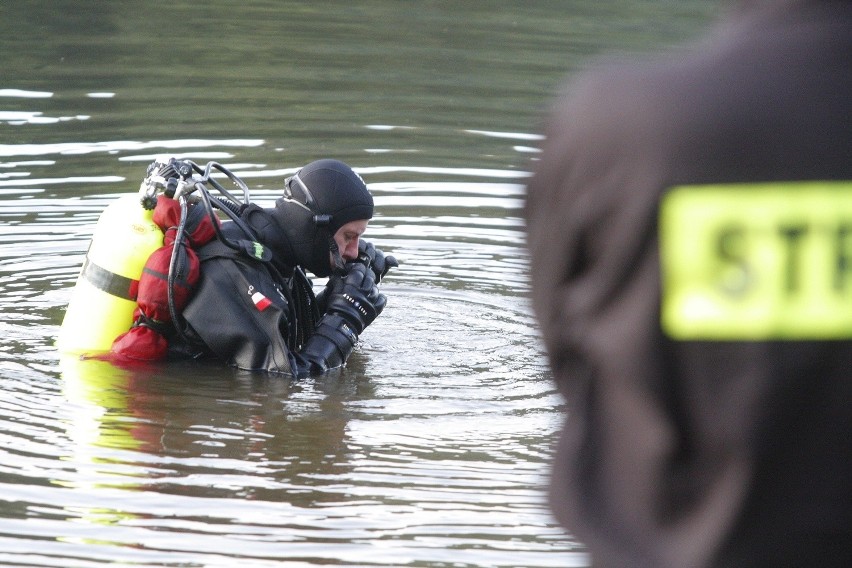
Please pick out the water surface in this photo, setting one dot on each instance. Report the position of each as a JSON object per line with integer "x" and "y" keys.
{"x": 431, "y": 448}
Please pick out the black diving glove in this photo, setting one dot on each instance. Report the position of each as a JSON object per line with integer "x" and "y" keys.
{"x": 356, "y": 297}
{"x": 328, "y": 348}
{"x": 353, "y": 303}
{"x": 376, "y": 259}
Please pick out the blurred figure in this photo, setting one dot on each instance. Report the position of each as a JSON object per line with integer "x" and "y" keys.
{"x": 690, "y": 230}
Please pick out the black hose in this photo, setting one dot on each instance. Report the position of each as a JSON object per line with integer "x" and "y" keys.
{"x": 176, "y": 322}
{"x": 232, "y": 207}
{"x": 236, "y": 181}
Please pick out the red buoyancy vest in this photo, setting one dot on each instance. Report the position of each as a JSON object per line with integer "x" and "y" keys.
{"x": 145, "y": 340}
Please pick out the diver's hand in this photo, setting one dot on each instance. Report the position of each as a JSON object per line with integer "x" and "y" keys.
{"x": 376, "y": 259}
{"x": 357, "y": 298}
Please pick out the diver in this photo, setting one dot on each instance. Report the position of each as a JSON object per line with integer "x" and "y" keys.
{"x": 256, "y": 309}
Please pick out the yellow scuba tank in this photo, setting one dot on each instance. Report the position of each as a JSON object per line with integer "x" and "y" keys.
{"x": 104, "y": 298}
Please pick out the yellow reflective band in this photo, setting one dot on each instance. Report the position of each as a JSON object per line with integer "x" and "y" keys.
{"x": 757, "y": 261}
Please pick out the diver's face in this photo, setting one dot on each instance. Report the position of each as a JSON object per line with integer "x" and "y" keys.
{"x": 347, "y": 238}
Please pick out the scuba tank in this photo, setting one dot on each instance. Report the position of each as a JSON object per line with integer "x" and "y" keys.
{"x": 104, "y": 302}
{"x": 104, "y": 298}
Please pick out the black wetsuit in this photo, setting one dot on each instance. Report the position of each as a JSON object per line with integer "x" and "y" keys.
{"x": 256, "y": 314}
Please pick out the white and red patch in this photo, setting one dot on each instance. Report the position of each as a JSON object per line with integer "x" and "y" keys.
{"x": 261, "y": 302}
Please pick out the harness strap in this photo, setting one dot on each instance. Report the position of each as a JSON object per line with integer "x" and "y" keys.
{"x": 110, "y": 282}
{"x": 247, "y": 249}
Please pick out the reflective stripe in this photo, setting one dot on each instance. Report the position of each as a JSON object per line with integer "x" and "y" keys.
{"x": 757, "y": 261}
{"x": 110, "y": 282}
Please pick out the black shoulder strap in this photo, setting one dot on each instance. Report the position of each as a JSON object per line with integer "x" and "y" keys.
{"x": 306, "y": 313}
{"x": 245, "y": 249}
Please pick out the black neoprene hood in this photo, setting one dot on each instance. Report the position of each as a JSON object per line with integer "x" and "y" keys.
{"x": 321, "y": 197}
{"x": 337, "y": 191}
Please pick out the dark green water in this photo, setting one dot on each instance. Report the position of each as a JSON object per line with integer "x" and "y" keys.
{"x": 431, "y": 448}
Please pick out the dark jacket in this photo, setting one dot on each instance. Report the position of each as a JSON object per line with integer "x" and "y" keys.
{"x": 701, "y": 450}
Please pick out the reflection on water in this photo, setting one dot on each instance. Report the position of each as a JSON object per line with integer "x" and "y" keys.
{"x": 431, "y": 447}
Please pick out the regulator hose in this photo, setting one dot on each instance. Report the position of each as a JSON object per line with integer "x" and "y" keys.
{"x": 176, "y": 323}
{"x": 229, "y": 205}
